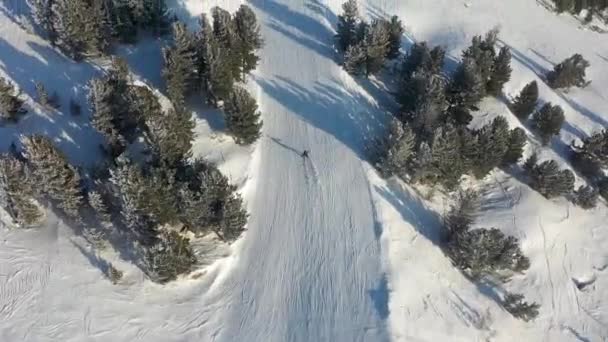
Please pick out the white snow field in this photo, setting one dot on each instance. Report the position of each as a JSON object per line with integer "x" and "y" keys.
{"x": 332, "y": 252}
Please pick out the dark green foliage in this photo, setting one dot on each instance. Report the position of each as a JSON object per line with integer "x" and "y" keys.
{"x": 347, "y": 25}
{"x": 249, "y": 39}
{"x": 603, "y": 188}
{"x": 354, "y": 59}
{"x": 482, "y": 53}
{"x": 466, "y": 90}
{"x": 446, "y": 163}
{"x": 525, "y": 103}
{"x": 376, "y": 44}
{"x": 53, "y": 175}
{"x": 421, "y": 57}
{"x": 17, "y": 191}
{"x": 101, "y": 208}
{"x": 550, "y": 181}
{"x": 462, "y": 213}
{"x": 501, "y": 72}
{"x": 45, "y": 17}
{"x": 423, "y": 101}
{"x": 180, "y": 71}
{"x": 516, "y": 306}
{"x": 548, "y": 121}
{"x": 114, "y": 274}
{"x": 10, "y": 103}
{"x": 485, "y": 251}
{"x": 479, "y": 252}
{"x": 592, "y": 156}
{"x": 586, "y": 197}
{"x": 170, "y": 257}
{"x": 421, "y": 165}
{"x": 493, "y": 143}
{"x": 232, "y": 218}
{"x": 564, "y": 5}
{"x": 569, "y": 73}
{"x": 531, "y": 162}
{"x": 396, "y": 150}
{"x": 242, "y": 117}
{"x": 515, "y": 150}
{"x": 395, "y": 30}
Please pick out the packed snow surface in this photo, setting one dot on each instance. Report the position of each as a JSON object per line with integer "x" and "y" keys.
{"x": 332, "y": 252}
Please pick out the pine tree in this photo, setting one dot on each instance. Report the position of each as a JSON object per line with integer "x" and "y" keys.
{"x": 123, "y": 21}
{"x": 516, "y": 306}
{"x": 396, "y": 150}
{"x": 493, "y": 144}
{"x": 396, "y": 30}
{"x": 233, "y": 218}
{"x": 548, "y": 121}
{"x": 102, "y": 110}
{"x": 224, "y": 30}
{"x": 423, "y": 101}
{"x": 170, "y": 257}
{"x": 586, "y": 197}
{"x": 180, "y": 71}
{"x": 17, "y": 191}
{"x": 525, "y": 103}
{"x": 43, "y": 95}
{"x": 564, "y": 5}
{"x": 354, "y": 59}
{"x": 242, "y": 117}
{"x": 550, "y": 181}
{"x": 45, "y": 17}
{"x": 531, "y": 163}
{"x": 10, "y": 103}
{"x": 469, "y": 148}
{"x": 173, "y": 135}
{"x": 501, "y": 72}
{"x": 250, "y": 39}
{"x": 515, "y": 150}
{"x": 594, "y": 150}
{"x": 465, "y": 91}
{"x": 421, "y": 57}
{"x": 151, "y": 15}
{"x": 97, "y": 202}
{"x": 482, "y": 54}
{"x": 376, "y": 44}
{"x": 217, "y": 77}
{"x": 54, "y": 176}
{"x": 570, "y": 72}
{"x": 347, "y": 25}
{"x": 446, "y": 159}
{"x": 421, "y": 168}
{"x": 603, "y": 188}
{"x": 462, "y": 213}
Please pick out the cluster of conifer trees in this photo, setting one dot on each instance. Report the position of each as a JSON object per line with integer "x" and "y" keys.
{"x": 148, "y": 188}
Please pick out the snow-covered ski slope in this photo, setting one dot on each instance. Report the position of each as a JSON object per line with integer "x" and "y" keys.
{"x": 332, "y": 252}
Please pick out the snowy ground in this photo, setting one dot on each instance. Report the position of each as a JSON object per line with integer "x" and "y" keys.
{"x": 332, "y": 252}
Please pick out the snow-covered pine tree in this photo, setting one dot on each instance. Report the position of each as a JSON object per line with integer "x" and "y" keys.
{"x": 569, "y": 73}
{"x": 233, "y": 218}
{"x": 242, "y": 117}
{"x": 169, "y": 258}
{"x": 423, "y": 101}
{"x": 548, "y": 121}
{"x": 224, "y": 30}
{"x": 17, "y": 191}
{"x": 492, "y": 143}
{"x": 354, "y": 59}
{"x": 514, "y": 303}
{"x": 465, "y": 91}
{"x": 124, "y": 26}
{"x": 11, "y": 106}
{"x": 515, "y": 150}
{"x": 103, "y": 116}
{"x": 595, "y": 147}
{"x": 97, "y": 202}
{"x": 482, "y": 53}
{"x": 469, "y": 148}
{"x": 526, "y": 101}
{"x": 180, "y": 71}
{"x": 376, "y": 44}
{"x": 151, "y": 15}
{"x": 602, "y": 186}
{"x": 586, "y": 197}
{"x": 250, "y": 38}
{"x": 45, "y": 18}
{"x": 550, "y": 181}
{"x": 421, "y": 168}
{"x": 54, "y": 176}
{"x": 42, "y": 94}
{"x": 395, "y": 29}
{"x": 348, "y": 22}
{"x": 173, "y": 135}
{"x": 501, "y": 72}
{"x": 396, "y": 150}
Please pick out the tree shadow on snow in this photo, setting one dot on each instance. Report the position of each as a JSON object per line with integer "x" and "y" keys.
{"x": 346, "y": 115}
{"x": 73, "y": 135}
{"x": 299, "y": 27}
{"x": 379, "y": 297}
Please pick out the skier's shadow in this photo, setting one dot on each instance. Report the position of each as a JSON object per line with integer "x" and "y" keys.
{"x": 283, "y": 145}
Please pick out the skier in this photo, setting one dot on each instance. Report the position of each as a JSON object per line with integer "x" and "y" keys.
{"x": 305, "y": 154}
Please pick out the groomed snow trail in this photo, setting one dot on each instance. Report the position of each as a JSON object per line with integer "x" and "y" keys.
{"x": 310, "y": 265}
